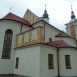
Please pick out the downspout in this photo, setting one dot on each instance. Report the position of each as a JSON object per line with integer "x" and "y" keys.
{"x": 76, "y": 43}
{"x": 21, "y": 28}
{"x": 58, "y": 62}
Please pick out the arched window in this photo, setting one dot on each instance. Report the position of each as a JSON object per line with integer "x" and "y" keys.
{"x": 7, "y": 44}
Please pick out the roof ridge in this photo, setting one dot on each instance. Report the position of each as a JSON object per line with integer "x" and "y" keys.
{"x": 14, "y": 15}
{"x": 32, "y": 12}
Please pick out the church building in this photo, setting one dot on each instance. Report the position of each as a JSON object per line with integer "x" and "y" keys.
{"x": 32, "y": 47}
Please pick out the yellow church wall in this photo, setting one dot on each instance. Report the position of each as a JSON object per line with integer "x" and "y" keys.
{"x": 26, "y": 37}
{"x": 72, "y": 29}
{"x": 30, "y": 37}
{"x": 29, "y": 16}
{"x": 34, "y": 35}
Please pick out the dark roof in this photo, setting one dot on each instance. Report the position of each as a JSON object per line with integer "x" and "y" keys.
{"x": 59, "y": 43}
{"x": 45, "y": 15}
{"x": 61, "y": 35}
{"x": 13, "y": 17}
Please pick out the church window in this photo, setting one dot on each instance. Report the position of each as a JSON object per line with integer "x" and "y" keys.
{"x": 67, "y": 62}
{"x": 17, "y": 62}
{"x": 7, "y": 44}
{"x": 50, "y": 39}
{"x": 50, "y": 61}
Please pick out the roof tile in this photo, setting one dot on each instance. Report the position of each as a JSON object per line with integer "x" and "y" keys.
{"x": 13, "y": 17}
{"x": 61, "y": 35}
{"x": 59, "y": 43}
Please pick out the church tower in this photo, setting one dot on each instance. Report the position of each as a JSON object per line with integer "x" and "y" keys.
{"x": 45, "y": 15}
{"x": 71, "y": 27}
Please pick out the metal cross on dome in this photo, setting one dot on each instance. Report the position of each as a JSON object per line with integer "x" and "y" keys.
{"x": 71, "y": 6}
{"x": 10, "y": 9}
{"x": 45, "y": 6}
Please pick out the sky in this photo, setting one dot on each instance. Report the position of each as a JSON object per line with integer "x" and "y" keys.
{"x": 59, "y": 11}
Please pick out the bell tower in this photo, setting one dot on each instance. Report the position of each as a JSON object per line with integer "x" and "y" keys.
{"x": 71, "y": 27}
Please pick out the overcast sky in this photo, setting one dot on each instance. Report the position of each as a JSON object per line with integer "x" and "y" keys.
{"x": 59, "y": 10}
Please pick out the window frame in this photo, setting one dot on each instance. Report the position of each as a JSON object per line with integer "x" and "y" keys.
{"x": 17, "y": 63}
{"x": 7, "y": 43}
{"x": 50, "y": 39}
{"x": 50, "y": 61}
{"x": 68, "y": 67}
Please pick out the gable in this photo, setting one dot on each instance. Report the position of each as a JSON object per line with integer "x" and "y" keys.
{"x": 30, "y": 17}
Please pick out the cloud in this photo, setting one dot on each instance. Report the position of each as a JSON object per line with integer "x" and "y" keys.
{"x": 59, "y": 10}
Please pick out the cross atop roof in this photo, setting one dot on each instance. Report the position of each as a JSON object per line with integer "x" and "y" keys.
{"x": 45, "y": 6}
{"x": 10, "y": 9}
{"x": 71, "y": 6}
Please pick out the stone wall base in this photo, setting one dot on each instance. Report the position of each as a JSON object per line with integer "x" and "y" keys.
{"x": 66, "y": 76}
{"x": 12, "y": 75}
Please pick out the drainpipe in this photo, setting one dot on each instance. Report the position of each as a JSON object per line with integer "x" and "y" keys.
{"x": 76, "y": 43}
{"x": 21, "y": 28}
{"x": 58, "y": 62}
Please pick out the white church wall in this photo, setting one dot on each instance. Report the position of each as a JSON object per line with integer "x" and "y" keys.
{"x": 68, "y": 31}
{"x": 68, "y": 40}
{"x": 73, "y": 61}
{"x": 44, "y": 70}
{"x": 29, "y": 61}
{"x": 34, "y": 35}
{"x": 38, "y": 24}
{"x": 50, "y": 32}
{"x": 20, "y": 39}
{"x": 72, "y": 42}
{"x": 25, "y": 28}
{"x": 26, "y": 37}
{"x": 6, "y": 65}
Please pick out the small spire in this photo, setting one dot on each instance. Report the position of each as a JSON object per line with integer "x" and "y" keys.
{"x": 45, "y": 15}
{"x": 45, "y": 6}
{"x": 72, "y": 13}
